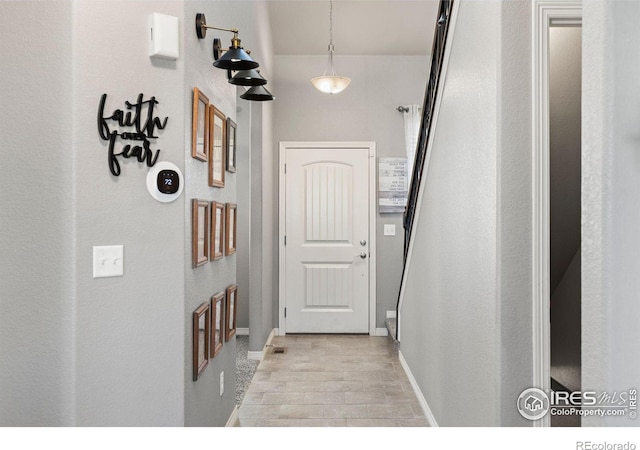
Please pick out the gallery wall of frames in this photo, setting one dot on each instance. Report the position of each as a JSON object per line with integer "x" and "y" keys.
{"x": 213, "y": 228}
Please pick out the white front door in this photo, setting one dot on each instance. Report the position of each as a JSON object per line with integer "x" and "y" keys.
{"x": 327, "y": 251}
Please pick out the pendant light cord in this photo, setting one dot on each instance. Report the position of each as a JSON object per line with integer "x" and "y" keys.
{"x": 331, "y": 49}
{"x": 330, "y": 24}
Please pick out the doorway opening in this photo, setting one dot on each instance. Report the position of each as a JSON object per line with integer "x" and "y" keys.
{"x": 557, "y": 201}
{"x": 565, "y": 211}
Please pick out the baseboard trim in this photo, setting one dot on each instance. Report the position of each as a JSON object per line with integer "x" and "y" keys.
{"x": 258, "y": 355}
{"x": 234, "y": 418}
{"x": 381, "y": 332}
{"x": 242, "y": 331}
{"x": 273, "y": 334}
{"x": 391, "y": 314}
{"x": 428, "y": 414}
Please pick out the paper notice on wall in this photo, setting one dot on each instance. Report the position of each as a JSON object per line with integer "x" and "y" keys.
{"x": 392, "y": 185}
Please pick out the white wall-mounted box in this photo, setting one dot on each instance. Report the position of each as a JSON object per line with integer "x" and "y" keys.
{"x": 164, "y": 41}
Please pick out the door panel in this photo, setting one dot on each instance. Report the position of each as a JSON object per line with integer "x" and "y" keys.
{"x": 327, "y": 217}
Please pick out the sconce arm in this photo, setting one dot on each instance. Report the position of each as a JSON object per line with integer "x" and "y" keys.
{"x": 201, "y": 27}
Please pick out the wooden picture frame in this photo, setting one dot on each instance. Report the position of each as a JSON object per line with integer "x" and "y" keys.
{"x": 217, "y": 138}
{"x": 201, "y": 336}
{"x": 217, "y": 323}
{"x": 217, "y": 231}
{"x": 231, "y": 228}
{"x": 231, "y": 311}
{"x": 231, "y": 145}
{"x": 200, "y": 126}
{"x": 200, "y": 214}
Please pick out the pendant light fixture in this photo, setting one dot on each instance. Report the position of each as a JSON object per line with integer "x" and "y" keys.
{"x": 330, "y": 82}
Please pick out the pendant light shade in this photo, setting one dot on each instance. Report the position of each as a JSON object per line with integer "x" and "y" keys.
{"x": 249, "y": 77}
{"x": 330, "y": 82}
{"x": 257, "y": 94}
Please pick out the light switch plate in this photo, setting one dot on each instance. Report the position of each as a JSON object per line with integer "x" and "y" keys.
{"x": 108, "y": 261}
{"x": 164, "y": 41}
{"x": 221, "y": 383}
{"x": 389, "y": 229}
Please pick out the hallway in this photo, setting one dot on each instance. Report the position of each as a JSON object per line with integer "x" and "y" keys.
{"x": 331, "y": 380}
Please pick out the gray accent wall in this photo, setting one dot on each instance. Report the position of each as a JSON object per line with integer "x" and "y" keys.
{"x": 366, "y": 111}
{"x": 112, "y": 351}
{"x": 129, "y": 344}
{"x": 37, "y": 267}
{"x": 203, "y": 404}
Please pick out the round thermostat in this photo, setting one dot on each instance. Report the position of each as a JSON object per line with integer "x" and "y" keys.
{"x": 165, "y": 182}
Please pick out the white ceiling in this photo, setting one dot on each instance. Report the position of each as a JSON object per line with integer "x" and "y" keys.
{"x": 360, "y": 27}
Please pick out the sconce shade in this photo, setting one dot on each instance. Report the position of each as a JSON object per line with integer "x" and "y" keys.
{"x": 257, "y": 94}
{"x": 331, "y": 84}
{"x": 235, "y": 59}
{"x": 249, "y": 77}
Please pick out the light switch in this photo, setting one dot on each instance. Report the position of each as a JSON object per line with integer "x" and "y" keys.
{"x": 108, "y": 261}
{"x": 164, "y": 39}
{"x": 389, "y": 229}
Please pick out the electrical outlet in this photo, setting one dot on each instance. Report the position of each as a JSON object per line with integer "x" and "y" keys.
{"x": 221, "y": 383}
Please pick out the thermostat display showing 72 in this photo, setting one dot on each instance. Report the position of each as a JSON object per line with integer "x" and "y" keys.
{"x": 164, "y": 182}
{"x": 168, "y": 181}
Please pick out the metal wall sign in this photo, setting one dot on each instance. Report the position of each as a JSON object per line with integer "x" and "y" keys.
{"x": 392, "y": 185}
{"x": 136, "y": 123}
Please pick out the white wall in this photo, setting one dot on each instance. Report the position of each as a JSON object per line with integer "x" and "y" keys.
{"x": 514, "y": 224}
{"x": 466, "y": 317}
{"x": 448, "y": 319}
{"x": 610, "y": 195}
{"x": 366, "y": 111}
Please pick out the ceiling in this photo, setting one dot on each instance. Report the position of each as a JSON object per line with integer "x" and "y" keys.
{"x": 360, "y": 27}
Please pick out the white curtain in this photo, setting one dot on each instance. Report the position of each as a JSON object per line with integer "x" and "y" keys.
{"x": 411, "y": 129}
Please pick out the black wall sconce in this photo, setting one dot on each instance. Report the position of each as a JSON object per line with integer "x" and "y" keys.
{"x": 235, "y": 59}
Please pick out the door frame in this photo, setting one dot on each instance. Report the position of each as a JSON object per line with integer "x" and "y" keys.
{"x": 545, "y": 13}
{"x": 303, "y": 145}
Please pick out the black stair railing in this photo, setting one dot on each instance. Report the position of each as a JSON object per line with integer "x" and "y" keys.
{"x": 433, "y": 85}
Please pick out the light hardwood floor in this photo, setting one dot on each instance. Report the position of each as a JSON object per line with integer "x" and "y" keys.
{"x": 331, "y": 380}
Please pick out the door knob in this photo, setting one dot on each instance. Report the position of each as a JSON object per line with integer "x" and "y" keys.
{"x": 363, "y": 242}
{"x": 363, "y": 255}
